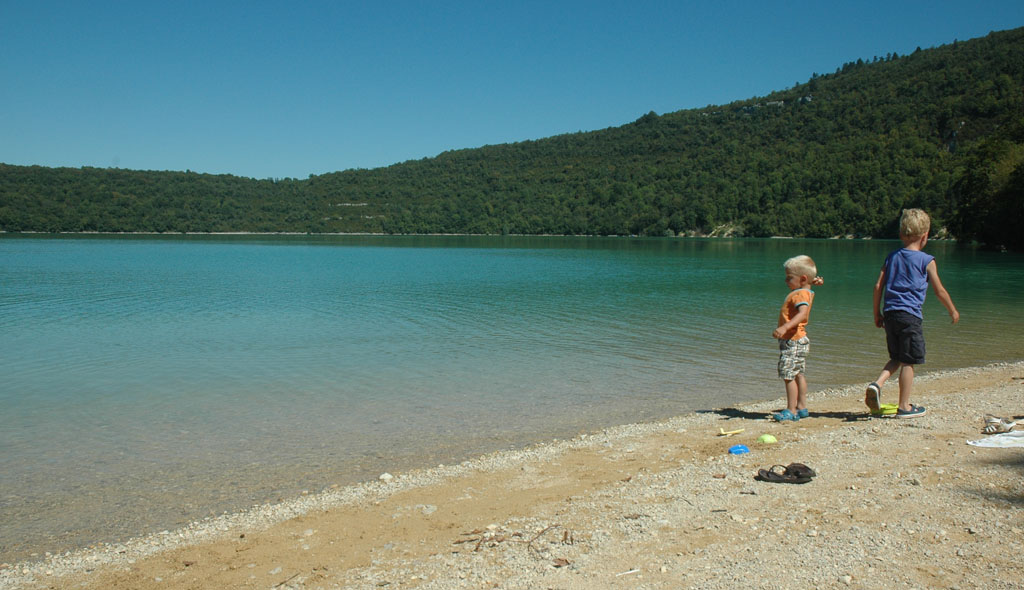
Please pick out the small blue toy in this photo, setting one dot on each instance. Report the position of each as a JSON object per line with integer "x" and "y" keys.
{"x": 738, "y": 449}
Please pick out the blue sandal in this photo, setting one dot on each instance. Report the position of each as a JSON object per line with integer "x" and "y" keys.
{"x": 785, "y": 416}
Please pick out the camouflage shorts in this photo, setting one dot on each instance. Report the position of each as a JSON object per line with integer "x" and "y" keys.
{"x": 793, "y": 357}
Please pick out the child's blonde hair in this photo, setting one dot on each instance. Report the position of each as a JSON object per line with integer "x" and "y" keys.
{"x": 914, "y": 223}
{"x": 801, "y": 265}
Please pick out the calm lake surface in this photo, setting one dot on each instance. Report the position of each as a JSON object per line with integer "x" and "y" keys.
{"x": 150, "y": 381}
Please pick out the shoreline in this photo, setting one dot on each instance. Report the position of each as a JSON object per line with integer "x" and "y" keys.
{"x": 686, "y": 235}
{"x": 602, "y": 464}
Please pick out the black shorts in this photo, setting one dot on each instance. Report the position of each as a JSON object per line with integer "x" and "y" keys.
{"x": 904, "y": 337}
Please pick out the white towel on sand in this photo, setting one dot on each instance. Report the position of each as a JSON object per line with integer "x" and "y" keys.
{"x": 1005, "y": 440}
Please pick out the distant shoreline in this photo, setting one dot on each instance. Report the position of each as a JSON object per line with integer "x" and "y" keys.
{"x": 243, "y": 233}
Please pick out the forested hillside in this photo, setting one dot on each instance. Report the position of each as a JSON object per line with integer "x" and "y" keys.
{"x": 841, "y": 154}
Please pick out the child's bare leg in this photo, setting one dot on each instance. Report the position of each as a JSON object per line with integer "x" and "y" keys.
{"x": 887, "y": 371}
{"x": 801, "y": 392}
{"x": 792, "y": 393}
{"x": 906, "y": 385}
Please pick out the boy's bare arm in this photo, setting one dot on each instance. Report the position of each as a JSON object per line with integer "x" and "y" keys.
{"x": 940, "y": 291}
{"x": 801, "y": 314}
{"x": 879, "y": 290}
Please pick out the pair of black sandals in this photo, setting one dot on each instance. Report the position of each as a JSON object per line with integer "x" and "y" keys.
{"x": 792, "y": 473}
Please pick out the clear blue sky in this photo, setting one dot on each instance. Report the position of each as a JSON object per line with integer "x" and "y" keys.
{"x": 288, "y": 89}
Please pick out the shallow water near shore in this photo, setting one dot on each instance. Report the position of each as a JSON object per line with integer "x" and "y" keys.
{"x": 151, "y": 381}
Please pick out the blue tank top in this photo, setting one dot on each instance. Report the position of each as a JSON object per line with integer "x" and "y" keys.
{"x": 906, "y": 281}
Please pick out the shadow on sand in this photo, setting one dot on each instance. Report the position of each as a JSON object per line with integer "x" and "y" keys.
{"x": 730, "y": 413}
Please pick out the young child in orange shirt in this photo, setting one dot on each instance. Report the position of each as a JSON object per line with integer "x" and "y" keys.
{"x": 801, "y": 274}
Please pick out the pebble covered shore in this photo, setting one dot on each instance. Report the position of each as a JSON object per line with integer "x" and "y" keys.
{"x": 895, "y": 503}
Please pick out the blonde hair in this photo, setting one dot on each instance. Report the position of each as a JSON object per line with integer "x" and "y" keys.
{"x": 914, "y": 223}
{"x": 801, "y": 265}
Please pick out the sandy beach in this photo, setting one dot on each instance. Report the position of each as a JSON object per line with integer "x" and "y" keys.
{"x": 895, "y": 503}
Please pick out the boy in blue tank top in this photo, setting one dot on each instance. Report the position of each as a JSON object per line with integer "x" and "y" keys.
{"x": 899, "y": 296}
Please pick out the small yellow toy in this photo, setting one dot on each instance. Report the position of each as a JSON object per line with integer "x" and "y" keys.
{"x": 885, "y": 410}
{"x": 723, "y": 432}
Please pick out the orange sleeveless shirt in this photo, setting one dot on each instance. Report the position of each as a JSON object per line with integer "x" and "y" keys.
{"x": 792, "y": 304}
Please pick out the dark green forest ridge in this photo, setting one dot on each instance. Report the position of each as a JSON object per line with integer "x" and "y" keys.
{"x": 839, "y": 155}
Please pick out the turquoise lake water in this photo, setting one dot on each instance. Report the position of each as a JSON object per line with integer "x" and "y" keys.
{"x": 151, "y": 381}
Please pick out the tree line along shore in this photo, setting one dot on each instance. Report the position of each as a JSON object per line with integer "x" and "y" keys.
{"x": 838, "y": 155}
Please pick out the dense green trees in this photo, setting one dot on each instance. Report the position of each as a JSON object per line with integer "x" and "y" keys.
{"x": 838, "y": 155}
{"x": 989, "y": 191}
